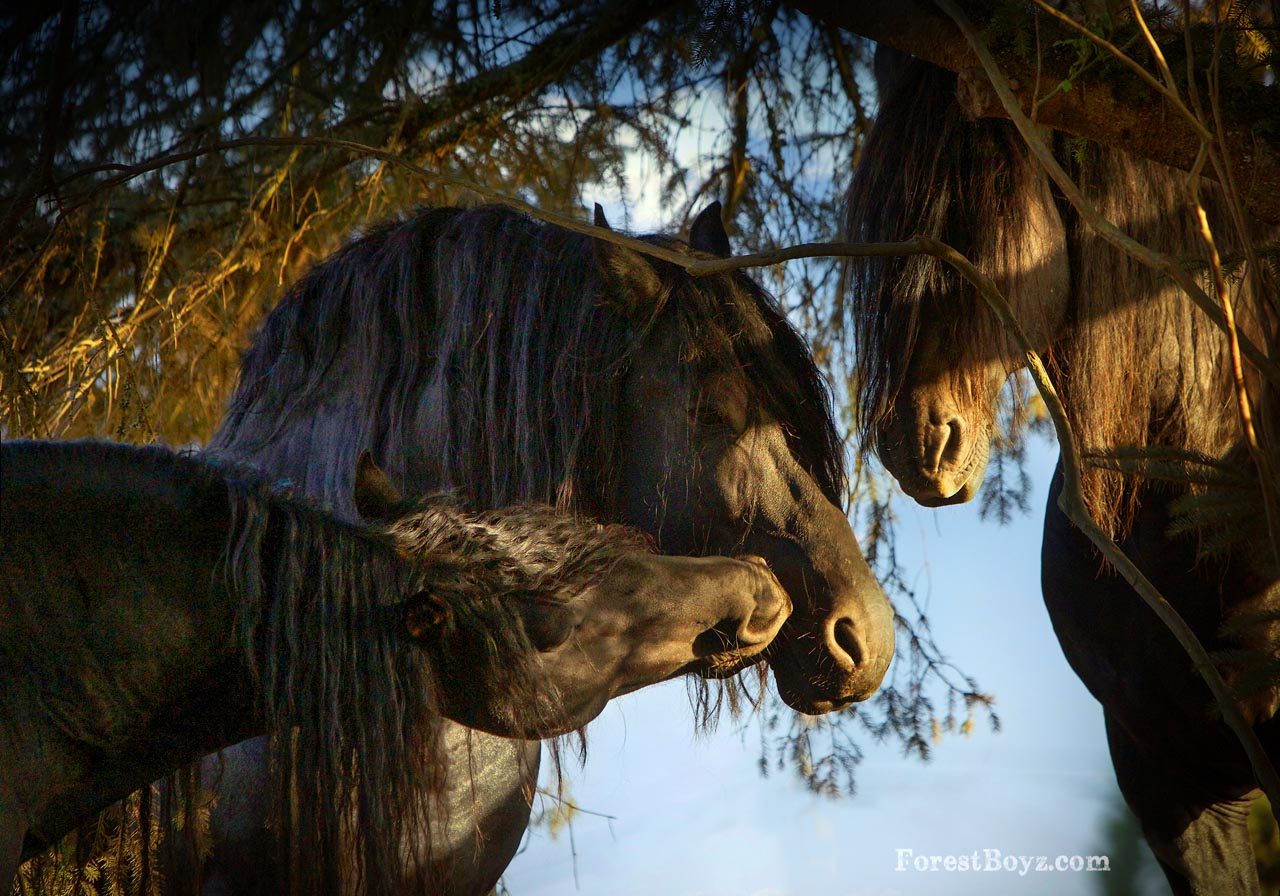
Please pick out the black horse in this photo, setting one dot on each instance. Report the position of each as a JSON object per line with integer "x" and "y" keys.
{"x": 1137, "y": 365}
{"x": 491, "y": 354}
{"x": 158, "y": 606}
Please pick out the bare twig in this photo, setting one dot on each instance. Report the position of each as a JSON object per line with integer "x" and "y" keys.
{"x": 1156, "y": 52}
{"x": 1261, "y": 459}
{"x": 1169, "y": 92}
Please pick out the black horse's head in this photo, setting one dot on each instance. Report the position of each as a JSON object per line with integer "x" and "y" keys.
{"x": 727, "y": 446}
{"x": 485, "y": 352}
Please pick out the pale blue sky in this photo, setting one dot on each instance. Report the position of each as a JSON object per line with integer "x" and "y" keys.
{"x": 694, "y": 817}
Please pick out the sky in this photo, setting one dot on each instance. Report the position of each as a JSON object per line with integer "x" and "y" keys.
{"x": 691, "y": 815}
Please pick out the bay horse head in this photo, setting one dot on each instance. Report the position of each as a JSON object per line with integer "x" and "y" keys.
{"x": 931, "y": 357}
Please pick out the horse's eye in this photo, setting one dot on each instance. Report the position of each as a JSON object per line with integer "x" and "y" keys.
{"x": 723, "y": 416}
{"x": 547, "y": 625}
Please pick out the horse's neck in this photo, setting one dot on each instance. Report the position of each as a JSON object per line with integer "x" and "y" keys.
{"x": 126, "y": 648}
{"x": 138, "y": 547}
{"x": 1144, "y": 365}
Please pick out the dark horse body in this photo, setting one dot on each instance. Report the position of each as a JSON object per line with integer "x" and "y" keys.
{"x": 487, "y": 353}
{"x": 1137, "y": 365}
{"x": 158, "y": 607}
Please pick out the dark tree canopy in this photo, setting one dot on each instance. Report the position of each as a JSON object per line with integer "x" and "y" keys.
{"x": 164, "y": 175}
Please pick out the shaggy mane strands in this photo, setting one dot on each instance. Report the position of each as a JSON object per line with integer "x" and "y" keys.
{"x": 531, "y": 333}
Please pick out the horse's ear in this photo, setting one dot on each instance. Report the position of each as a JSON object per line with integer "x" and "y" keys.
{"x": 707, "y": 233}
{"x": 600, "y": 220}
{"x": 375, "y": 497}
{"x": 424, "y": 614}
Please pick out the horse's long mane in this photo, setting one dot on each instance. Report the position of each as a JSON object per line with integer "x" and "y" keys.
{"x": 354, "y": 701}
{"x": 483, "y": 350}
{"x": 1141, "y": 365}
{"x": 1137, "y": 364}
{"x": 359, "y": 760}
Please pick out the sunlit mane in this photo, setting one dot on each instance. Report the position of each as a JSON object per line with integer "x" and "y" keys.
{"x": 531, "y": 334}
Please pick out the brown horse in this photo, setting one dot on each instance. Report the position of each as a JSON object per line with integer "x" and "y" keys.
{"x": 509, "y": 360}
{"x": 158, "y": 606}
{"x": 1138, "y": 365}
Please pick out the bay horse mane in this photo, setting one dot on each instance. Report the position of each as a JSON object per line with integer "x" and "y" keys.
{"x": 318, "y": 607}
{"x": 1138, "y": 364}
{"x": 532, "y": 327}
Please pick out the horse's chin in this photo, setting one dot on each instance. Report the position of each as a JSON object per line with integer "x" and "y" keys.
{"x": 812, "y": 701}
{"x": 947, "y": 487}
{"x": 944, "y": 496}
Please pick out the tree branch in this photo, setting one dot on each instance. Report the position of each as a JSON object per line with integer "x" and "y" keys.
{"x": 542, "y": 65}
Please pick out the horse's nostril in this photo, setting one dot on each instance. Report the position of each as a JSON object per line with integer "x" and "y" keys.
{"x": 944, "y": 444}
{"x": 846, "y": 649}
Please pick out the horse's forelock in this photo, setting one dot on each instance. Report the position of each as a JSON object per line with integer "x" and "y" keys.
{"x": 531, "y": 347}
{"x": 730, "y": 319}
{"x": 529, "y": 328}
